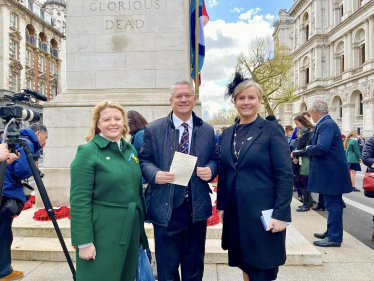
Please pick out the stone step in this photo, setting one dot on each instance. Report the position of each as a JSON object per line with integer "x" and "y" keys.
{"x": 299, "y": 250}
{"x": 25, "y": 226}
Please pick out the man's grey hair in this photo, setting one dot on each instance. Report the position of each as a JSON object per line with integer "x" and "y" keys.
{"x": 320, "y": 107}
{"x": 38, "y": 127}
{"x": 182, "y": 82}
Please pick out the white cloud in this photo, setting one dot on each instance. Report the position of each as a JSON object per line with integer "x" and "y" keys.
{"x": 224, "y": 42}
{"x": 269, "y": 17}
{"x": 212, "y": 3}
{"x": 237, "y": 10}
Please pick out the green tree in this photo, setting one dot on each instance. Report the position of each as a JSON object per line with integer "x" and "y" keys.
{"x": 270, "y": 66}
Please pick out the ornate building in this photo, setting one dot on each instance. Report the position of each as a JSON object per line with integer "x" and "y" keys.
{"x": 33, "y": 48}
{"x": 332, "y": 42}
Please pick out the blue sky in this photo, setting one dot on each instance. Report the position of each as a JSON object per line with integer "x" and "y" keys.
{"x": 233, "y": 24}
{"x": 222, "y": 9}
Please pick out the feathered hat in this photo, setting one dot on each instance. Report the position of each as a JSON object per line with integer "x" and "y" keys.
{"x": 238, "y": 78}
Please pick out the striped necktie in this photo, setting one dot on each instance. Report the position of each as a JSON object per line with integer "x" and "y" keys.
{"x": 184, "y": 144}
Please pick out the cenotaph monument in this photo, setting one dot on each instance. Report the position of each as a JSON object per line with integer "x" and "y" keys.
{"x": 128, "y": 51}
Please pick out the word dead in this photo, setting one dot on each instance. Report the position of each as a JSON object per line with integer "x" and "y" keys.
{"x": 124, "y": 24}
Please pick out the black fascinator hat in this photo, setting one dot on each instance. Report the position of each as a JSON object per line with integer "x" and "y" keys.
{"x": 238, "y": 78}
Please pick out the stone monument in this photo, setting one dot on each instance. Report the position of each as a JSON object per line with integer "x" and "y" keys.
{"x": 128, "y": 51}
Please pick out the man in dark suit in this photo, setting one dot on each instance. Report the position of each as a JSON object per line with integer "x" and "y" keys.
{"x": 179, "y": 214}
{"x": 328, "y": 172}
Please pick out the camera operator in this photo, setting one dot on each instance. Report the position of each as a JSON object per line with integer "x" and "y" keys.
{"x": 13, "y": 196}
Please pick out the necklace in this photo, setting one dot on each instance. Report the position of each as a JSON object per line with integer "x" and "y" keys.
{"x": 237, "y": 153}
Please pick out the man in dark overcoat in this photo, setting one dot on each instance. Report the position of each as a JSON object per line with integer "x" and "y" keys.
{"x": 179, "y": 214}
{"x": 328, "y": 172}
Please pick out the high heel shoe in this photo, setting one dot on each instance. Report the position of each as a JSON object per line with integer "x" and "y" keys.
{"x": 319, "y": 209}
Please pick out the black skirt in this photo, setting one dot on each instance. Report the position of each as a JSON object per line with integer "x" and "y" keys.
{"x": 354, "y": 166}
{"x": 234, "y": 247}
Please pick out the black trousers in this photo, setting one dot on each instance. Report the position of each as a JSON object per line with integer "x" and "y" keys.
{"x": 180, "y": 243}
{"x": 6, "y": 239}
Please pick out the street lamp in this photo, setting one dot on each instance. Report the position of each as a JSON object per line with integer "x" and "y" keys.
{"x": 56, "y": 81}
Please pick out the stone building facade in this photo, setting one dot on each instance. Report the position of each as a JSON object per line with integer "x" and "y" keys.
{"x": 332, "y": 42}
{"x": 32, "y": 50}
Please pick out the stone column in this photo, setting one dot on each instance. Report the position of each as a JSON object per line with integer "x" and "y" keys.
{"x": 331, "y": 10}
{"x": 318, "y": 15}
{"x": 349, "y": 46}
{"x": 311, "y": 66}
{"x": 348, "y": 8}
{"x": 318, "y": 61}
{"x": 346, "y": 46}
{"x": 367, "y": 41}
{"x": 370, "y": 46}
{"x": 345, "y": 7}
{"x": 332, "y": 66}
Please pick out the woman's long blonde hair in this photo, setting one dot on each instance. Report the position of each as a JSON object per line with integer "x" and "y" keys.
{"x": 351, "y": 133}
{"x": 94, "y": 130}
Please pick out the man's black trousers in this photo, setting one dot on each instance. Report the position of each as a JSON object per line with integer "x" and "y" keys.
{"x": 180, "y": 243}
{"x": 6, "y": 239}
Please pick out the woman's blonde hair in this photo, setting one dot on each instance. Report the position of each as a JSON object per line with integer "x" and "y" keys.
{"x": 94, "y": 130}
{"x": 351, "y": 133}
{"x": 244, "y": 85}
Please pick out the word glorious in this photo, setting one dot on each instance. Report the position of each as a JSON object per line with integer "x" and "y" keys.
{"x": 125, "y": 5}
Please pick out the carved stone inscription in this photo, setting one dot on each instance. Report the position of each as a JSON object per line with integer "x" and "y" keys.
{"x": 125, "y": 24}
{"x": 124, "y": 7}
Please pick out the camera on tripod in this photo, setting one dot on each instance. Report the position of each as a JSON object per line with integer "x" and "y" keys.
{"x": 11, "y": 111}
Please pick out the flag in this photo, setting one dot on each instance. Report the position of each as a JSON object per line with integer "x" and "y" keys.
{"x": 203, "y": 20}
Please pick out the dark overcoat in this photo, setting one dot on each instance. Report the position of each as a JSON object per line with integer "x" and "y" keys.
{"x": 328, "y": 167}
{"x": 263, "y": 179}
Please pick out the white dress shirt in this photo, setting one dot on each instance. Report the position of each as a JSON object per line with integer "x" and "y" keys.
{"x": 178, "y": 126}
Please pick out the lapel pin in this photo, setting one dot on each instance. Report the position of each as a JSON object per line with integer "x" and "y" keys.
{"x": 250, "y": 138}
{"x": 108, "y": 158}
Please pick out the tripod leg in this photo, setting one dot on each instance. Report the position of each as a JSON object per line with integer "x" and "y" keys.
{"x": 47, "y": 204}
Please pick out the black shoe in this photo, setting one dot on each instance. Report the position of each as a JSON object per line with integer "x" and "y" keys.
{"x": 300, "y": 198}
{"x": 355, "y": 189}
{"x": 327, "y": 243}
{"x": 344, "y": 205}
{"x": 319, "y": 209}
{"x": 314, "y": 202}
{"x": 303, "y": 209}
{"x": 320, "y": 235}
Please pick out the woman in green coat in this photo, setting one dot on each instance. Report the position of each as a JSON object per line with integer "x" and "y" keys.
{"x": 107, "y": 205}
{"x": 353, "y": 154}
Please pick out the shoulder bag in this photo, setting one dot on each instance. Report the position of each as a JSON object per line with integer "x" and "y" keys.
{"x": 368, "y": 184}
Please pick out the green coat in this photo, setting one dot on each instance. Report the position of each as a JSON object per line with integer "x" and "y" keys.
{"x": 107, "y": 209}
{"x": 353, "y": 153}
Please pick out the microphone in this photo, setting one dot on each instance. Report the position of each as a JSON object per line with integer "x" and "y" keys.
{"x": 37, "y": 95}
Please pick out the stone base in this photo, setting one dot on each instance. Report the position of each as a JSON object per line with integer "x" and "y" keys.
{"x": 68, "y": 119}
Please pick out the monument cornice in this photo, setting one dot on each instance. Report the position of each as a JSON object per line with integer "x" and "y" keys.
{"x": 307, "y": 45}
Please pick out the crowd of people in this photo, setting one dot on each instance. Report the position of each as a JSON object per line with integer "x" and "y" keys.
{"x": 118, "y": 185}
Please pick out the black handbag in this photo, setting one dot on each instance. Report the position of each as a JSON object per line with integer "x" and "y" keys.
{"x": 11, "y": 208}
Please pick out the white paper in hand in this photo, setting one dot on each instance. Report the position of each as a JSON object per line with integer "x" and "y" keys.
{"x": 182, "y": 167}
{"x": 266, "y": 218}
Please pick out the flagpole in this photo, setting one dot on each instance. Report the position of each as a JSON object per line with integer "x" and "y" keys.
{"x": 197, "y": 81}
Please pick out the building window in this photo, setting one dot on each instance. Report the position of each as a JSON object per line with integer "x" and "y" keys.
{"x": 360, "y": 3}
{"x": 342, "y": 64}
{"x": 59, "y": 25}
{"x": 361, "y": 105}
{"x": 307, "y": 33}
{"x": 28, "y": 58}
{"x": 363, "y": 59}
{"x": 52, "y": 68}
{"x": 307, "y": 76}
{"x": 40, "y": 64}
{"x": 41, "y": 88}
{"x": 29, "y": 84}
{"x": 13, "y": 20}
{"x": 341, "y": 11}
{"x": 13, "y": 50}
{"x": 13, "y": 82}
{"x": 340, "y": 108}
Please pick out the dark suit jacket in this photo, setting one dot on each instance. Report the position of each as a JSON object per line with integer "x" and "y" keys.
{"x": 328, "y": 168}
{"x": 263, "y": 180}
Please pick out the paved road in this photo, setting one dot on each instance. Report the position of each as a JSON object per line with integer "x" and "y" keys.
{"x": 358, "y": 216}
